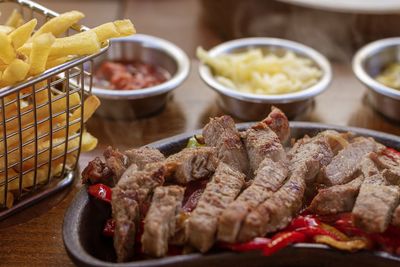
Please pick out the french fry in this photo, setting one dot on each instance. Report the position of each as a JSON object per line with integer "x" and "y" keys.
{"x": 6, "y": 29}
{"x": 15, "y": 20}
{"x": 15, "y": 72}
{"x": 60, "y": 24}
{"x": 52, "y": 62}
{"x": 106, "y": 31}
{"x": 89, "y": 142}
{"x": 80, "y": 44}
{"x": 41, "y": 46}
{"x": 90, "y": 105}
{"x": 21, "y": 34}
{"x": 10, "y": 198}
{"x": 114, "y": 29}
{"x": 125, "y": 27}
{"x": 7, "y": 53}
{"x": 57, "y": 151}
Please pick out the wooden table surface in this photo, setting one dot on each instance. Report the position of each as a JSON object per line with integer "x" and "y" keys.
{"x": 33, "y": 237}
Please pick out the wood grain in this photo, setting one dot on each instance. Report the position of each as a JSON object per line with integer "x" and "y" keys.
{"x": 33, "y": 237}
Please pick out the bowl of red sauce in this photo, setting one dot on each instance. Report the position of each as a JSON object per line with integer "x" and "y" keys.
{"x": 135, "y": 77}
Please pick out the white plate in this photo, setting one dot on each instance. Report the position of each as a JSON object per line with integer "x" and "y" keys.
{"x": 353, "y": 6}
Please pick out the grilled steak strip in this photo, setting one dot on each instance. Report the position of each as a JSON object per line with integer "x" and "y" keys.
{"x": 159, "y": 224}
{"x": 336, "y": 199}
{"x": 347, "y": 162}
{"x": 376, "y": 201}
{"x": 261, "y": 142}
{"x": 116, "y": 161}
{"x": 127, "y": 202}
{"x": 278, "y": 122}
{"x": 144, "y": 155}
{"x": 222, "y": 134}
{"x": 277, "y": 211}
{"x": 269, "y": 178}
{"x": 191, "y": 164}
{"x": 223, "y": 188}
{"x": 391, "y": 166}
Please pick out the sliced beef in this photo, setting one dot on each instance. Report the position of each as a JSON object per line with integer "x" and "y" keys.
{"x": 143, "y": 156}
{"x": 337, "y": 198}
{"x": 277, "y": 211}
{"x": 222, "y": 134}
{"x": 376, "y": 201}
{"x": 346, "y": 163}
{"x": 269, "y": 178}
{"x": 396, "y": 217}
{"x": 261, "y": 142}
{"x": 129, "y": 198}
{"x": 116, "y": 161}
{"x": 374, "y": 207}
{"x": 159, "y": 224}
{"x": 223, "y": 188}
{"x": 192, "y": 164}
{"x": 278, "y": 122}
{"x": 314, "y": 153}
{"x": 391, "y": 166}
{"x": 97, "y": 172}
{"x": 125, "y": 210}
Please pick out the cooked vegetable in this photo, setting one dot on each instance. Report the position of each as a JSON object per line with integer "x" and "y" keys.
{"x": 194, "y": 141}
{"x": 100, "y": 191}
{"x": 282, "y": 240}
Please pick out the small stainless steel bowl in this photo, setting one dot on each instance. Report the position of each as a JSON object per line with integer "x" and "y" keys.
{"x": 368, "y": 63}
{"x": 252, "y": 107}
{"x": 131, "y": 104}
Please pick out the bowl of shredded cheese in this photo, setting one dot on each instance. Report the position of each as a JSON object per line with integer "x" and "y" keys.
{"x": 377, "y": 66}
{"x": 251, "y": 74}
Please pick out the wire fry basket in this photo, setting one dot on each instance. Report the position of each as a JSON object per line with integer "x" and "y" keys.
{"x": 41, "y": 122}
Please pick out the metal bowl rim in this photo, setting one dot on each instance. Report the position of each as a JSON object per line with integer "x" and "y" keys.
{"x": 308, "y": 52}
{"x": 173, "y": 51}
{"x": 366, "y": 52}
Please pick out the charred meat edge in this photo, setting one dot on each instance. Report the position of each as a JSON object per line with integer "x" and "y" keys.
{"x": 279, "y": 123}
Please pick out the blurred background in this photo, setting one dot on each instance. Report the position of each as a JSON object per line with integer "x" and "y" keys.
{"x": 335, "y": 28}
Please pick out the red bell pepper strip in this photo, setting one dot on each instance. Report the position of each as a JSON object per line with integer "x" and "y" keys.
{"x": 100, "y": 191}
{"x": 282, "y": 240}
{"x": 257, "y": 243}
{"x": 109, "y": 228}
{"x": 303, "y": 222}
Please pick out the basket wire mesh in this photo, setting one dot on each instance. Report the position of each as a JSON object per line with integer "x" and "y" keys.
{"x": 41, "y": 122}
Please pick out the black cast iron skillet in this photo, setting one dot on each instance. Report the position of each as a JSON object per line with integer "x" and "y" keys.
{"x": 85, "y": 219}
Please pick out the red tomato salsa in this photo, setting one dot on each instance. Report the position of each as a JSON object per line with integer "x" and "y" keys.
{"x": 129, "y": 75}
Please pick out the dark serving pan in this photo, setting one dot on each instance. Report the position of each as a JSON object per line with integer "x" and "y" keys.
{"x": 86, "y": 246}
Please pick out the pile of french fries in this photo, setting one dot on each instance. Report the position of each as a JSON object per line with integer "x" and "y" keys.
{"x": 24, "y": 53}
